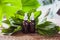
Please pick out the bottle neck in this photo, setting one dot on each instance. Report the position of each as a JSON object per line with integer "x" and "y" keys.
{"x": 32, "y": 20}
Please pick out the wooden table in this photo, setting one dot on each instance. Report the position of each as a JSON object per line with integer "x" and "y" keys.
{"x": 21, "y": 36}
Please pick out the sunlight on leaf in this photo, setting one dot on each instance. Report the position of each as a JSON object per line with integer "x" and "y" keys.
{"x": 9, "y": 7}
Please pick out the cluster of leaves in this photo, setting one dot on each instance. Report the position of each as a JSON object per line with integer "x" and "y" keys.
{"x": 10, "y": 7}
{"x": 47, "y": 28}
{"x": 14, "y": 25}
{"x": 16, "y": 21}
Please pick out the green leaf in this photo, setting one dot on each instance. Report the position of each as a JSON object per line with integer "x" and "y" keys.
{"x": 10, "y": 30}
{"x": 47, "y": 28}
{"x": 20, "y": 12}
{"x": 36, "y": 15}
{"x": 58, "y": 28}
{"x": 6, "y": 31}
{"x": 18, "y": 29}
{"x": 1, "y": 15}
{"x": 27, "y": 5}
{"x": 6, "y": 21}
{"x": 16, "y": 21}
{"x": 9, "y": 8}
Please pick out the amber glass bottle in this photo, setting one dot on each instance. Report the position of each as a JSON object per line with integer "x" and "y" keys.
{"x": 25, "y": 24}
{"x": 32, "y": 24}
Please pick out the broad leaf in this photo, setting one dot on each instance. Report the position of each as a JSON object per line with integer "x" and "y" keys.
{"x": 1, "y": 15}
{"x": 27, "y": 5}
{"x": 18, "y": 29}
{"x": 47, "y": 28}
{"x": 9, "y": 7}
{"x": 7, "y": 31}
{"x": 36, "y": 15}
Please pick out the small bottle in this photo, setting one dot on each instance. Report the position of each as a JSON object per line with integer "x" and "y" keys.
{"x": 32, "y": 24}
{"x": 25, "y": 24}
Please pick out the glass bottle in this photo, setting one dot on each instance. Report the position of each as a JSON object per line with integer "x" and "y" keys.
{"x": 32, "y": 24}
{"x": 25, "y": 24}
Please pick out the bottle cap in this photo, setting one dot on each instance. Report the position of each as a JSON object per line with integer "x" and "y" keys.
{"x": 32, "y": 16}
{"x": 25, "y": 17}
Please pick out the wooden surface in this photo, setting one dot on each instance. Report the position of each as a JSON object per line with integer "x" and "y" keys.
{"x": 21, "y": 36}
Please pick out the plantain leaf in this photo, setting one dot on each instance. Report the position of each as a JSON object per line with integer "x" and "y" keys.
{"x": 36, "y": 15}
{"x": 9, "y": 7}
{"x": 1, "y": 15}
{"x": 28, "y": 5}
{"x": 18, "y": 28}
{"x": 47, "y": 28}
{"x": 7, "y": 31}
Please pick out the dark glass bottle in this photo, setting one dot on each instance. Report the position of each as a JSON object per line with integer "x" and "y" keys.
{"x": 25, "y": 24}
{"x": 32, "y": 24}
